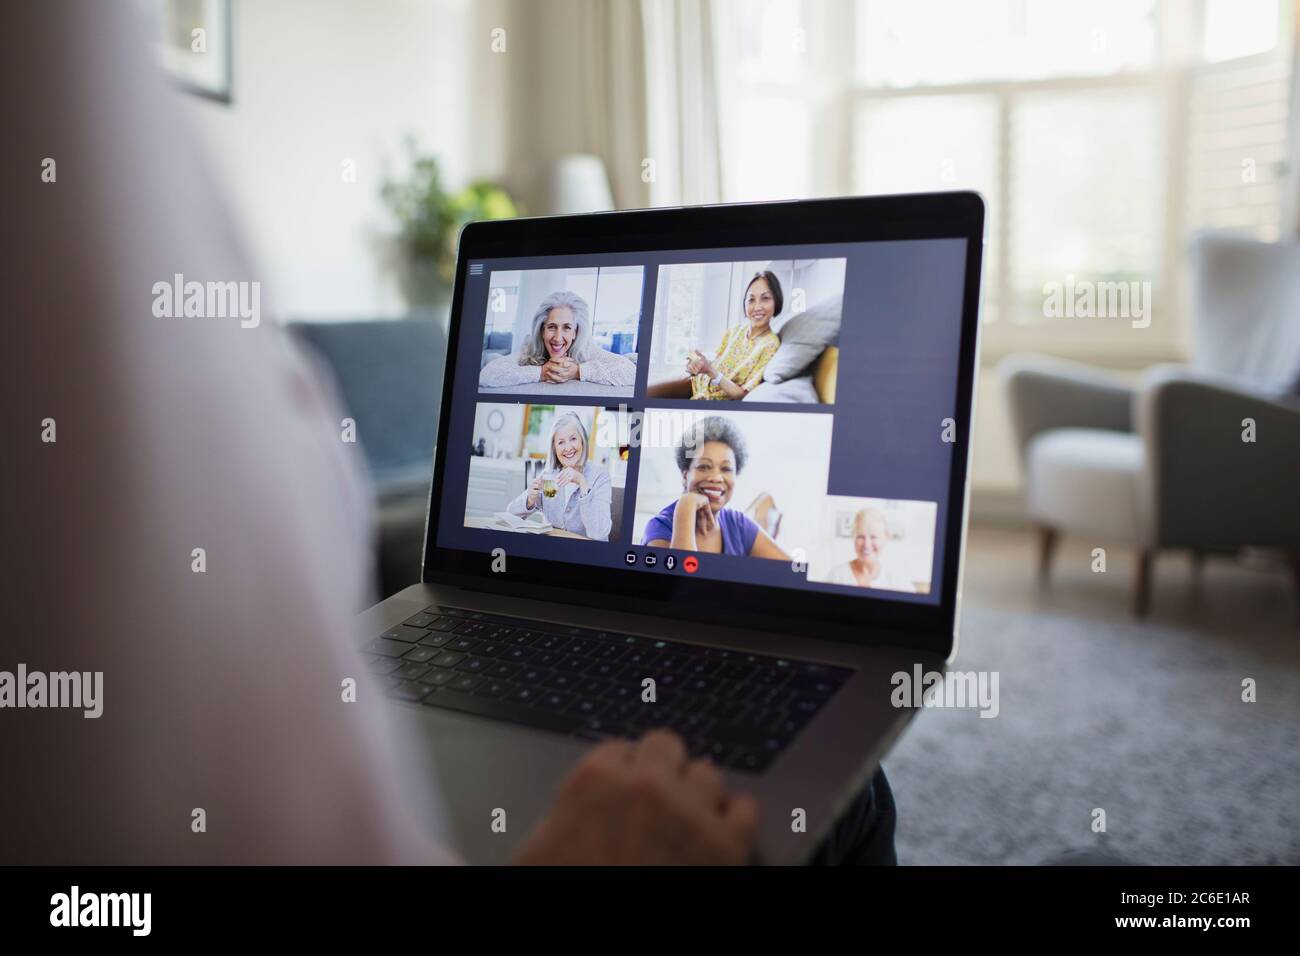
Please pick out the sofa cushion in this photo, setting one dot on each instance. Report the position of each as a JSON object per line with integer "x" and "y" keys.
{"x": 803, "y": 338}
{"x": 792, "y": 390}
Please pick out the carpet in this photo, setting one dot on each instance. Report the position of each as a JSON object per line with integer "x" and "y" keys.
{"x": 1143, "y": 719}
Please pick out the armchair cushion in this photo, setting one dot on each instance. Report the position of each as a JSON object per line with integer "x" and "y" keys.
{"x": 1085, "y": 480}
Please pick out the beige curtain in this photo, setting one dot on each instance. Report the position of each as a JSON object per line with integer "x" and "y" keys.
{"x": 573, "y": 82}
{"x": 630, "y": 81}
{"x": 1289, "y": 227}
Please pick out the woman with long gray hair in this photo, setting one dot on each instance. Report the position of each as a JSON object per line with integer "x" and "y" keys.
{"x": 559, "y": 349}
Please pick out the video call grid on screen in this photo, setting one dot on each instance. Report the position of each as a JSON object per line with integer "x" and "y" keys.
{"x": 875, "y": 488}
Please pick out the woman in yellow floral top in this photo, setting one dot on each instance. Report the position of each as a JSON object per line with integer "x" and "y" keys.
{"x": 737, "y": 368}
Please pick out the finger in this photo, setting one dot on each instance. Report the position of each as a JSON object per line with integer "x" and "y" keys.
{"x": 613, "y": 753}
{"x": 706, "y": 781}
{"x": 663, "y": 749}
{"x": 740, "y": 816}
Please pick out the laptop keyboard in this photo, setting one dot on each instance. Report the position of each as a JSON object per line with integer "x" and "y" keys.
{"x": 740, "y": 710}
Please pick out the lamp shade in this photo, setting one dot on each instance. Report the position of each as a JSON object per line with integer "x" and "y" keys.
{"x": 578, "y": 185}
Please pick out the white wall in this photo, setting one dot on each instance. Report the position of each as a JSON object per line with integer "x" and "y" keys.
{"x": 318, "y": 81}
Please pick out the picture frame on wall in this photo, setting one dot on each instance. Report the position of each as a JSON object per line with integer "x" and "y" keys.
{"x": 195, "y": 45}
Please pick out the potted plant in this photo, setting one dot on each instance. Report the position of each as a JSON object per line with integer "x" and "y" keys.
{"x": 429, "y": 221}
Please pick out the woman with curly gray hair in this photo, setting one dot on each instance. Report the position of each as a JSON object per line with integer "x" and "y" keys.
{"x": 710, "y": 455}
{"x": 559, "y": 349}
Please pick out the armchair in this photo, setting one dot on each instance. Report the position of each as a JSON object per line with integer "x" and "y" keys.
{"x": 1166, "y": 464}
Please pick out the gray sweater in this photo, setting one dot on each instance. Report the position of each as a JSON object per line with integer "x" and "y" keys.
{"x": 601, "y": 368}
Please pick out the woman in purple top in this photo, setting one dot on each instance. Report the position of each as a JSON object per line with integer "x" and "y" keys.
{"x": 710, "y": 456}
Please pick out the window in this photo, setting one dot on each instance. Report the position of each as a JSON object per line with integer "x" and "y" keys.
{"x": 1100, "y": 133}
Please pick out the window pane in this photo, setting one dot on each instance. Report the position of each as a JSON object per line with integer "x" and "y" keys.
{"x": 931, "y": 144}
{"x": 1086, "y": 192}
{"x": 911, "y": 42}
{"x": 767, "y": 150}
{"x": 769, "y": 37}
{"x": 1235, "y": 28}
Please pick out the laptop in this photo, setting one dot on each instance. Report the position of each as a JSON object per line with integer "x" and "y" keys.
{"x": 698, "y": 468}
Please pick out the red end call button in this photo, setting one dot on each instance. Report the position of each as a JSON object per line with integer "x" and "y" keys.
{"x": 690, "y": 563}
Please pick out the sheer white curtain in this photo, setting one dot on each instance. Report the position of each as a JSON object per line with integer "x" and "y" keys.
{"x": 682, "y": 101}
{"x": 1290, "y": 225}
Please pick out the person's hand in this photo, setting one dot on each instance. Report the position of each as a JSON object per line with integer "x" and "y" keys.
{"x": 694, "y": 506}
{"x": 644, "y": 803}
{"x": 572, "y": 476}
{"x": 560, "y": 370}
{"x": 706, "y": 366}
{"x": 694, "y": 363}
{"x": 534, "y": 490}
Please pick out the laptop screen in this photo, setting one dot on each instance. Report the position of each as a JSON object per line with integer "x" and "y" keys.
{"x": 779, "y": 415}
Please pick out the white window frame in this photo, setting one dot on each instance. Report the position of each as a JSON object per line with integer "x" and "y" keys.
{"x": 834, "y": 95}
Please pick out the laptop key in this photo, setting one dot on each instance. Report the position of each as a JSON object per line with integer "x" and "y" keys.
{"x": 551, "y": 642}
{"x": 751, "y": 759}
{"x": 386, "y": 648}
{"x": 553, "y": 700}
{"x": 505, "y": 709}
{"x": 411, "y": 690}
{"x": 383, "y": 665}
{"x": 525, "y": 695}
{"x": 419, "y": 654}
{"x": 593, "y": 687}
{"x": 729, "y": 709}
{"x": 503, "y": 670}
{"x": 607, "y": 670}
{"x": 587, "y": 706}
{"x": 423, "y": 619}
{"x": 440, "y": 676}
{"x": 806, "y": 705}
{"x": 533, "y": 675}
{"x": 465, "y": 683}
{"x": 494, "y": 688}
{"x": 462, "y": 644}
{"x": 818, "y": 685}
{"x": 445, "y": 624}
{"x": 448, "y": 659}
{"x": 562, "y": 680}
{"x": 716, "y": 750}
{"x": 403, "y": 633}
{"x": 412, "y": 671}
{"x": 474, "y": 665}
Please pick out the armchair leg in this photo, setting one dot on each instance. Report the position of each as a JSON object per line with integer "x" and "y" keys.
{"x": 1142, "y": 582}
{"x": 1047, "y": 540}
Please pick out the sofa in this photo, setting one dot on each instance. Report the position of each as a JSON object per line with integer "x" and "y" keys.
{"x": 389, "y": 379}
